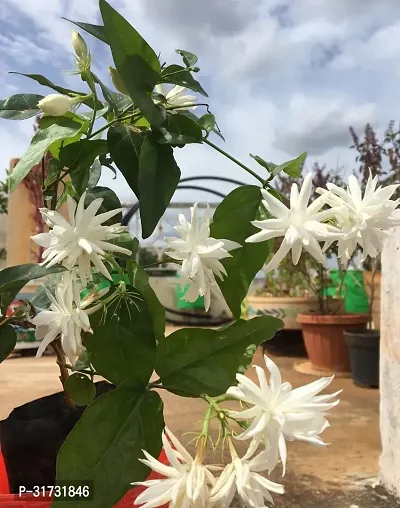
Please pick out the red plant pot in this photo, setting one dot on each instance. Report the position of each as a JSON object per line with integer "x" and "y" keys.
{"x": 8, "y": 500}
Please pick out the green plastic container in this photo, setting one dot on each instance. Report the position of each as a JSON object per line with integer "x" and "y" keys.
{"x": 180, "y": 292}
{"x": 105, "y": 283}
{"x": 353, "y": 290}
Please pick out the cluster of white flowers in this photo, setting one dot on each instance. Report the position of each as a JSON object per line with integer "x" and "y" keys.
{"x": 278, "y": 413}
{"x": 67, "y": 317}
{"x": 83, "y": 240}
{"x": 76, "y": 244}
{"x": 200, "y": 255}
{"x": 176, "y": 98}
{"x": 350, "y": 218}
{"x": 345, "y": 216}
{"x": 363, "y": 219}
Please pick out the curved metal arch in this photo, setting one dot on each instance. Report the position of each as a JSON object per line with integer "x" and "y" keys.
{"x": 131, "y": 212}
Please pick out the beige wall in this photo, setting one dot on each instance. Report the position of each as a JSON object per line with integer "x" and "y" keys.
{"x": 22, "y": 225}
{"x": 390, "y": 364}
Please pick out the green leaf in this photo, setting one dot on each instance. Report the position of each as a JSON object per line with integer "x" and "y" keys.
{"x": 123, "y": 347}
{"x": 83, "y": 362}
{"x": 207, "y": 122}
{"x": 127, "y": 241}
{"x": 232, "y": 222}
{"x": 95, "y": 30}
{"x": 178, "y": 75}
{"x": 117, "y": 101}
{"x": 106, "y": 443}
{"x": 47, "y": 120}
{"x": 8, "y": 339}
{"x": 125, "y": 143}
{"x": 94, "y": 174}
{"x": 14, "y": 278}
{"x": 195, "y": 361}
{"x": 81, "y": 388}
{"x": 189, "y": 59}
{"x": 42, "y": 80}
{"x": 79, "y": 157}
{"x": 40, "y": 297}
{"x": 54, "y": 169}
{"x": 180, "y": 130}
{"x": 136, "y": 62}
{"x": 158, "y": 178}
{"x": 140, "y": 281}
{"x": 41, "y": 141}
{"x": 60, "y": 89}
{"x": 196, "y": 119}
{"x": 269, "y": 166}
{"x": 292, "y": 168}
{"x": 110, "y": 202}
{"x": 20, "y": 106}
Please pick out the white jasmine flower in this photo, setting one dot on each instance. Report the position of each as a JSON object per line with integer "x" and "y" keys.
{"x": 279, "y": 413}
{"x": 176, "y": 98}
{"x": 242, "y": 475}
{"x": 186, "y": 483}
{"x": 82, "y": 241}
{"x": 364, "y": 219}
{"x": 79, "y": 45}
{"x": 200, "y": 255}
{"x": 117, "y": 80}
{"x": 56, "y": 104}
{"x": 66, "y": 318}
{"x": 300, "y": 225}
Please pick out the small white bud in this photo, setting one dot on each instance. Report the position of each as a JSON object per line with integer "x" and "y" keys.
{"x": 79, "y": 45}
{"x": 117, "y": 80}
{"x": 55, "y": 104}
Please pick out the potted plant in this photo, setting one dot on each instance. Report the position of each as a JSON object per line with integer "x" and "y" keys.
{"x": 381, "y": 159}
{"x": 323, "y": 330}
{"x": 286, "y": 292}
{"x": 96, "y": 441}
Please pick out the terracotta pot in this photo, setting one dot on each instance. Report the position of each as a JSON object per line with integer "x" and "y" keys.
{"x": 369, "y": 277}
{"x": 285, "y": 308}
{"x": 324, "y": 339}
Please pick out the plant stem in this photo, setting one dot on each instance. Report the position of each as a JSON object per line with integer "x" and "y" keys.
{"x": 112, "y": 261}
{"x": 64, "y": 374}
{"x": 226, "y": 154}
{"x": 101, "y": 129}
{"x": 4, "y": 321}
{"x": 94, "y": 108}
{"x": 203, "y": 438}
{"x": 119, "y": 118}
{"x": 162, "y": 261}
{"x": 60, "y": 178}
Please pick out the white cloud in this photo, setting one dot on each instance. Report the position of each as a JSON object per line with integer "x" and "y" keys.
{"x": 23, "y": 50}
{"x": 284, "y": 76}
{"x": 382, "y": 47}
{"x": 316, "y": 124}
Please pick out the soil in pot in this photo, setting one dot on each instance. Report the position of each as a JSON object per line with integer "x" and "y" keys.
{"x": 286, "y": 343}
{"x": 364, "y": 357}
{"x": 32, "y": 435}
{"x": 324, "y": 339}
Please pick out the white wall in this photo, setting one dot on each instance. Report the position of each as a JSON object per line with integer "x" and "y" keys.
{"x": 390, "y": 365}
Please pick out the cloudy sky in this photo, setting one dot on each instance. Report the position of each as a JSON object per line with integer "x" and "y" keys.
{"x": 283, "y": 76}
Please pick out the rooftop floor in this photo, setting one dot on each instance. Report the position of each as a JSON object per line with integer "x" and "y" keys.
{"x": 342, "y": 475}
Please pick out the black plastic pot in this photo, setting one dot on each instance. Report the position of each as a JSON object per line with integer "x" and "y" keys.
{"x": 32, "y": 435}
{"x": 286, "y": 343}
{"x": 364, "y": 357}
